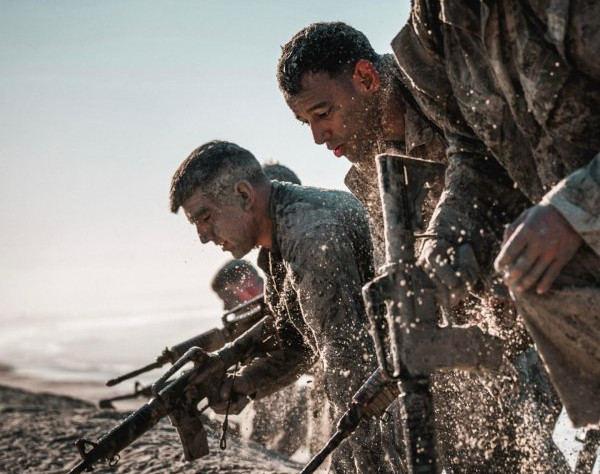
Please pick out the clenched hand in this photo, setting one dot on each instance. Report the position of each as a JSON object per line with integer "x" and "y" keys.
{"x": 238, "y": 388}
{"x": 536, "y": 247}
{"x": 453, "y": 269}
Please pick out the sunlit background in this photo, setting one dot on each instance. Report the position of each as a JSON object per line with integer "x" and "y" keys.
{"x": 99, "y": 103}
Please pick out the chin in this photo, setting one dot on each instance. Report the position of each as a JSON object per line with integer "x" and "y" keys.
{"x": 239, "y": 253}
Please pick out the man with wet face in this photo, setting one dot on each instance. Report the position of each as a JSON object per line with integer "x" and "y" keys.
{"x": 316, "y": 254}
{"x": 356, "y": 103}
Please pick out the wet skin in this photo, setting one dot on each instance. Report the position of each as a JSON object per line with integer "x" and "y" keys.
{"x": 231, "y": 225}
{"x": 536, "y": 248}
{"x": 340, "y": 112}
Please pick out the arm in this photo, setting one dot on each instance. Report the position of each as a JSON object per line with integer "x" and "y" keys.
{"x": 478, "y": 196}
{"x": 276, "y": 370}
{"x": 327, "y": 271}
{"x": 540, "y": 243}
{"x": 273, "y": 370}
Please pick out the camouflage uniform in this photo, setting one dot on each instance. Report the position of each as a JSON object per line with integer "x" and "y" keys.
{"x": 421, "y": 140}
{"x": 516, "y": 88}
{"x": 485, "y": 421}
{"x": 320, "y": 258}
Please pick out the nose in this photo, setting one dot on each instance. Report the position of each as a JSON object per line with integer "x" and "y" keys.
{"x": 204, "y": 233}
{"x": 320, "y": 133}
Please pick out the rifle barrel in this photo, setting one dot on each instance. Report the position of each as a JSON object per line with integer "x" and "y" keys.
{"x": 147, "y": 368}
{"x": 331, "y": 445}
{"x": 107, "y": 402}
{"x": 134, "y": 426}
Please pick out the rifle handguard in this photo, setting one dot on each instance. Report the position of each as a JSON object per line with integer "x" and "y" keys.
{"x": 370, "y": 401}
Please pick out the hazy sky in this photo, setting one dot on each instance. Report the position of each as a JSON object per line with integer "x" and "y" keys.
{"x": 99, "y": 103}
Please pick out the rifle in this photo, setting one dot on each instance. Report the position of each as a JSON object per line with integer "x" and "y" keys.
{"x": 138, "y": 391}
{"x": 235, "y": 322}
{"x": 178, "y": 399}
{"x": 401, "y": 308}
{"x": 370, "y": 401}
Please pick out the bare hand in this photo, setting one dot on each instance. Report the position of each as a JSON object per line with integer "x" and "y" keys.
{"x": 536, "y": 248}
{"x": 238, "y": 389}
{"x": 453, "y": 269}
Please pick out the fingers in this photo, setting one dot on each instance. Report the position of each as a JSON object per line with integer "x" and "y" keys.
{"x": 510, "y": 250}
{"x": 518, "y": 269}
{"x": 529, "y": 276}
{"x": 510, "y": 229}
{"x": 552, "y": 273}
{"x": 226, "y": 388}
{"x": 220, "y": 408}
{"x": 231, "y": 386}
{"x": 468, "y": 264}
{"x": 444, "y": 273}
{"x": 541, "y": 245}
{"x": 238, "y": 404}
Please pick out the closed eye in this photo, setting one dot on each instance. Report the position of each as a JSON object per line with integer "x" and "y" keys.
{"x": 202, "y": 218}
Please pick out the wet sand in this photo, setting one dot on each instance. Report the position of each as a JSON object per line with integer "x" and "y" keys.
{"x": 39, "y": 428}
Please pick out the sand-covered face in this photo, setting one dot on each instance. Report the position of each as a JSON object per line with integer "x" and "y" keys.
{"x": 340, "y": 112}
{"x": 228, "y": 222}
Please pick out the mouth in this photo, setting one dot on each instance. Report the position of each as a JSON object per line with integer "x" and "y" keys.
{"x": 338, "y": 151}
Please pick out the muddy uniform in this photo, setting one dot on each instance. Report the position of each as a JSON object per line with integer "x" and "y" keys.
{"x": 479, "y": 416}
{"x": 516, "y": 88}
{"x": 320, "y": 258}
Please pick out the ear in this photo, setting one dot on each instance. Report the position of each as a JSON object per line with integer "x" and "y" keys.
{"x": 246, "y": 192}
{"x": 366, "y": 77}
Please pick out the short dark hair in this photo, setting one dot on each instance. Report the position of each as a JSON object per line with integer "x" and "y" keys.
{"x": 331, "y": 47}
{"x": 235, "y": 272}
{"x": 275, "y": 170}
{"x": 212, "y": 167}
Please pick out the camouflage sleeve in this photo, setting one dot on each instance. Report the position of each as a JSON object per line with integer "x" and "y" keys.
{"x": 577, "y": 198}
{"x": 582, "y": 34}
{"x": 478, "y": 199}
{"x": 478, "y": 196}
{"x": 328, "y": 282}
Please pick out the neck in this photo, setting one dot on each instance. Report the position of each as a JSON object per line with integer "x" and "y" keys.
{"x": 391, "y": 102}
{"x": 393, "y": 113}
{"x": 265, "y": 224}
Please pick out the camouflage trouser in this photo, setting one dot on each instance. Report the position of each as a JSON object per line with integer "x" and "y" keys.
{"x": 565, "y": 325}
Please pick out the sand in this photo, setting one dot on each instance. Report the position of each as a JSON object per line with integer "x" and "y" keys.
{"x": 38, "y": 430}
